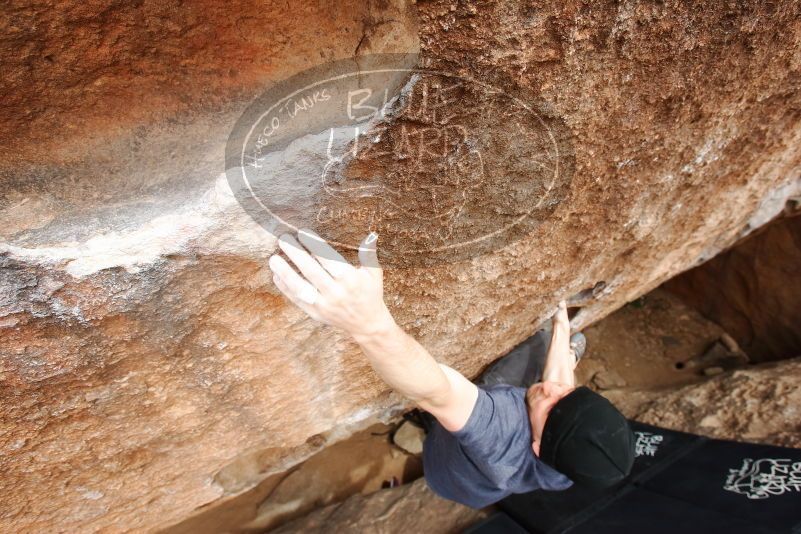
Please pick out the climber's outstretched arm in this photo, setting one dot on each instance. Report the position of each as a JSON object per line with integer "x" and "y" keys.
{"x": 335, "y": 292}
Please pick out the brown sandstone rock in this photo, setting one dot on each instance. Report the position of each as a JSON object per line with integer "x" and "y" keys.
{"x": 409, "y": 508}
{"x": 648, "y": 343}
{"x": 150, "y": 368}
{"x": 410, "y": 438}
{"x": 758, "y": 404}
{"x": 752, "y": 291}
{"x": 608, "y": 379}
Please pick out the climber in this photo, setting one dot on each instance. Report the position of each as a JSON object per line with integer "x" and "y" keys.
{"x": 485, "y": 442}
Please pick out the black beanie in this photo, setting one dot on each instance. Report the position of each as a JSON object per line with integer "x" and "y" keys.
{"x": 588, "y": 440}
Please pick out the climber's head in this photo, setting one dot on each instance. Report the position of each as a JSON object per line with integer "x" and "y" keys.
{"x": 541, "y": 398}
{"x": 580, "y": 434}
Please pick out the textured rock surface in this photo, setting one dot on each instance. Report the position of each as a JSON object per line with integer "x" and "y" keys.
{"x": 750, "y": 291}
{"x": 641, "y": 344}
{"x": 409, "y": 508}
{"x": 761, "y": 404}
{"x": 149, "y": 368}
{"x": 362, "y": 463}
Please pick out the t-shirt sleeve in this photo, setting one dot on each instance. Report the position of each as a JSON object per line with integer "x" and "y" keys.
{"x": 491, "y": 456}
{"x": 493, "y": 433}
{"x": 480, "y": 420}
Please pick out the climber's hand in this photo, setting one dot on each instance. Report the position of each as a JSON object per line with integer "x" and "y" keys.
{"x": 331, "y": 290}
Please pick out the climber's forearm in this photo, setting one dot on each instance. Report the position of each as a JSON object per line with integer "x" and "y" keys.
{"x": 404, "y": 364}
{"x": 409, "y": 369}
{"x": 335, "y": 292}
{"x": 560, "y": 362}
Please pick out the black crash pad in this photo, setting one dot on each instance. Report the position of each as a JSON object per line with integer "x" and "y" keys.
{"x": 680, "y": 483}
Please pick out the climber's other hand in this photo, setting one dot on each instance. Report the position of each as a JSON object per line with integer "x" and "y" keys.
{"x": 328, "y": 288}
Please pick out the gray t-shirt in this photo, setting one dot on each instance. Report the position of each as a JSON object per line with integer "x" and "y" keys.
{"x": 491, "y": 457}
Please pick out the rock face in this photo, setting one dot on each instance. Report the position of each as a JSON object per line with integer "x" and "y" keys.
{"x": 749, "y": 290}
{"x": 409, "y": 508}
{"x": 758, "y": 404}
{"x": 150, "y": 368}
{"x": 650, "y": 342}
{"x": 363, "y": 463}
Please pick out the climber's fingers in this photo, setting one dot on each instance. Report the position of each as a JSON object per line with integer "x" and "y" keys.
{"x": 368, "y": 254}
{"x": 324, "y": 253}
{"x": 294, "y": 286}
{"x": 307, "y": 265}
